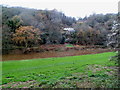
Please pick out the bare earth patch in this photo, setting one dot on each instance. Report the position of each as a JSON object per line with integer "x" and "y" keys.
{"x": 26, "y": 84}
{"x": 56, "y": 51}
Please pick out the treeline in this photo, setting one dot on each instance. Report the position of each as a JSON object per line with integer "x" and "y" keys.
{"x": 22, "y": 27}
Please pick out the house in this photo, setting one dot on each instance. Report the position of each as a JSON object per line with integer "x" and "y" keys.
{"x": 69, "y": 29}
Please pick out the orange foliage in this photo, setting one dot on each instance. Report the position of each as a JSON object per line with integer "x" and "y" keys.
{"x": 25, "y": 34}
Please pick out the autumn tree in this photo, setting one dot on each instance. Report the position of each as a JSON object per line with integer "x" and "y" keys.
{"x": 88, "y": 37}
{"x": 26, "y": 36}
{"x": 80, "y": 37}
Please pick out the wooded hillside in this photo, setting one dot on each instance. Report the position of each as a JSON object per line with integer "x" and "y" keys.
{"x": 23, "y": 27}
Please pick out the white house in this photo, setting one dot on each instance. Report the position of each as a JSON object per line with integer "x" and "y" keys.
{"x": 69, "y": 29}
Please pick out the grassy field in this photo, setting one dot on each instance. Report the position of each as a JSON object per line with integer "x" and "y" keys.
{"x": 93, "y": 70}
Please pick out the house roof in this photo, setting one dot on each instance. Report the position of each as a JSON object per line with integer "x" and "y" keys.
{"x": 69, "y": 29}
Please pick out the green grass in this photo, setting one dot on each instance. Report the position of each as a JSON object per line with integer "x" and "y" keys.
{"x": 69, "y": 45}
{"x": 48, "y": 71}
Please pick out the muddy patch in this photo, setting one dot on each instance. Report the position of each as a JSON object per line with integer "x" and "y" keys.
{"x": 60, "y": 51}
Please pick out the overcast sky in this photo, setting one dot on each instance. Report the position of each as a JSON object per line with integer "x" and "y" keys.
{"x": 74, "y": 8}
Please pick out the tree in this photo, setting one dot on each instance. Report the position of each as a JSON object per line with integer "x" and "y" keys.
{"x": 114, "y": 41}
{"x": 81, "y": 37}
{"x": 114, "y": 36}
{"x": 25, "y": 35}
{"x": 6, "y": 40}
{"x": 14, "y": 23}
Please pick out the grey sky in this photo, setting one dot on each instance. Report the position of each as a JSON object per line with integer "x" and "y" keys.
{"x": 74, "y": 8}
